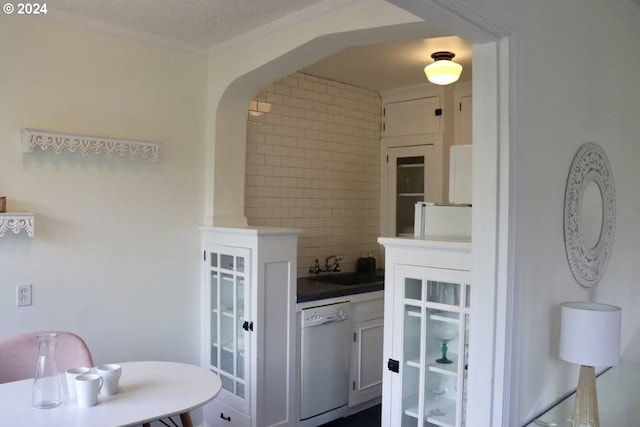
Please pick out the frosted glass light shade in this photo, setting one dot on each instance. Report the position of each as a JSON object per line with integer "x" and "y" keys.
{"x": 443, "y": 72}
{"x": 590, "y": 333}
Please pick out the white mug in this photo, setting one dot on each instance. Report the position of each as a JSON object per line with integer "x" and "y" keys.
{"x": 71, "y": 379}
{"x": 87, "y": 388}
{"x": 110, "y": 373}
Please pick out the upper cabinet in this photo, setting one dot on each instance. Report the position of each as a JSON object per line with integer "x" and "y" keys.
{"x": 413, "y": 116}
{"x": 421, "y": 124}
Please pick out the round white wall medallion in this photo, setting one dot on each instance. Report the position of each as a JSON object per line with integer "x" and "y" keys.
{"x": 589, "y": 214}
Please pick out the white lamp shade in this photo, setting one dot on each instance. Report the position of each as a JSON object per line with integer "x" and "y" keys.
{"x": 443, "y": 72}
{"x": 590, "y": 333}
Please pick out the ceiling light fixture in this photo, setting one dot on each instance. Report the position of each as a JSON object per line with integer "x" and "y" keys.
{"x": 443, "y": 71}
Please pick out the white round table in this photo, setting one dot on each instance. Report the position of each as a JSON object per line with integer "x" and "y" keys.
{"x": 148, "y": 391}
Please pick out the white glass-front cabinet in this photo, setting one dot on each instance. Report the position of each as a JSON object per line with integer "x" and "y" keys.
{"x": 228, "y": 284}
{"x": 427, "y": 306}
{"x": 248, "y": 308}
{"x": 410, "y": 173}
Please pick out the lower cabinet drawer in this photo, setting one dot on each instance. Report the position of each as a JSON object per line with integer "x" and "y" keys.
{"x": 218, "y": 414}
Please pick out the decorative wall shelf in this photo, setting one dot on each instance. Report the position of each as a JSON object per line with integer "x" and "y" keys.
{"x": 33, "y": 139}
{"x": 17, "y": 222}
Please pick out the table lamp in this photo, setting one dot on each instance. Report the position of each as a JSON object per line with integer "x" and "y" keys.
{"x": 589, "y": 337}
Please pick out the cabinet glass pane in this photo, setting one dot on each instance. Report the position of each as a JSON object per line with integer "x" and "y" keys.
{"x": 413, "y": 289}
{"x": 405, "y": 212}
{"x": 442, "y": 343}
{"x": 214, "y": 333}
{"x": 240, "y": 363}
{"x": 466, "y": 369}
{"x": 443, "y": 293}
{"x": 214, "y": 356}
{"x": 227, "y": 383}
{"x": 410, "y": 175}
{"x": 226, "y": 362}
{"x": 214, "y": 317}
{"x": 441, "y": 385}
{"x": 214, "y": 290}
{"x": 214, "y": 259}
{"x": 439, "y": 403}
{"x": 468, "y": 296}
{"x": 240, "y": 297}
{"x": 240, "y": 265}
{"x": 226, "y": 293}
{"x": 226, "y": 262}
{"x": 412, "y": 366}
{"x": 240, "y": 390}
{"x": 409, "y": 191}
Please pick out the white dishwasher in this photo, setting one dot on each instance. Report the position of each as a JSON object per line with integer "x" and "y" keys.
{"x": 325, "y": 357}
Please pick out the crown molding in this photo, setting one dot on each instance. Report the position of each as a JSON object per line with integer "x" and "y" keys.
{"x": 80, "y": 22}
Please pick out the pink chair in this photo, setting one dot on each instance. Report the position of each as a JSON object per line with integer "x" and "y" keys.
{"x": 19, "y": 353}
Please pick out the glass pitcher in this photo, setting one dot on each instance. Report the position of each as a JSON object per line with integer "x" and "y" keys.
{"x": 47, "y": 388}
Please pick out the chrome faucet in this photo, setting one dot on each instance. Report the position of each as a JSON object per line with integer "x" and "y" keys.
{"x": 315, "y": 268}
{"x": 335, "y": 265}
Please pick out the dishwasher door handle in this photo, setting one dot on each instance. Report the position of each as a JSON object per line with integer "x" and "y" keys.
{"x": 323, "y": 320}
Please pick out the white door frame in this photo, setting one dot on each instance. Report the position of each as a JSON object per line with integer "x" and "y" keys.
{"x": 493, "y": 290}
{"x": 234, "y": 80}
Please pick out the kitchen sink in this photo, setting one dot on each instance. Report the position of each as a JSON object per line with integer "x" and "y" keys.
{"x": 350, "y": 279}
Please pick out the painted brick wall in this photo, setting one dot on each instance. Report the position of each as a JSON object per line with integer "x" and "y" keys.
{"x": 313, "y": 162}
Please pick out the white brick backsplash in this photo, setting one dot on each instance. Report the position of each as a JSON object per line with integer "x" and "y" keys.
{"x": 313, "y": 162}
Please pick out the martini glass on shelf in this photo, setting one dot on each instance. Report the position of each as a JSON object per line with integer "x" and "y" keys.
{"x": 446, "y": 332}
{"x": 438, "y": 386}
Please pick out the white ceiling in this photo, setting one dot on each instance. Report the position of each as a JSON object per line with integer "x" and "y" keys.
{"x": 390, "y": 65}
{"x": 200, "y": 24}
{"x": 194, "y": 23}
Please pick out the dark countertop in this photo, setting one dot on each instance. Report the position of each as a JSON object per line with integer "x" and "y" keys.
{"x": 310, "y": 289}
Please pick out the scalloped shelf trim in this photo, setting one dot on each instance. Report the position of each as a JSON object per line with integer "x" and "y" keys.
{"x": 33, "y": 139}
{"x": 17, "y": 223}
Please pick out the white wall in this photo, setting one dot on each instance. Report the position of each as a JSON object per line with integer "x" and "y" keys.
{"x": 573, "y": 79}
{"x": 579, "y": 100}
{"x": 564, "y": 94}
{"x": 115, "y": 257}
{"x": 113, "y": 233}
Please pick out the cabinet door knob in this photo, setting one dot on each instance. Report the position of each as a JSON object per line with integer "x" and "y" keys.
{"x": 245, "y": 325}
{"x": 225, "y": 418}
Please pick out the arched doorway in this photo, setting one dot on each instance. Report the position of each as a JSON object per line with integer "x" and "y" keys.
{"x": 240, "y": 68}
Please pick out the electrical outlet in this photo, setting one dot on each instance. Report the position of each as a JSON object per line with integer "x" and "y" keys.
{"x": 23, "y": 295}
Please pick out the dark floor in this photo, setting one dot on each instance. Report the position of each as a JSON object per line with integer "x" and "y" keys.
{"x": 367, "y": 418}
